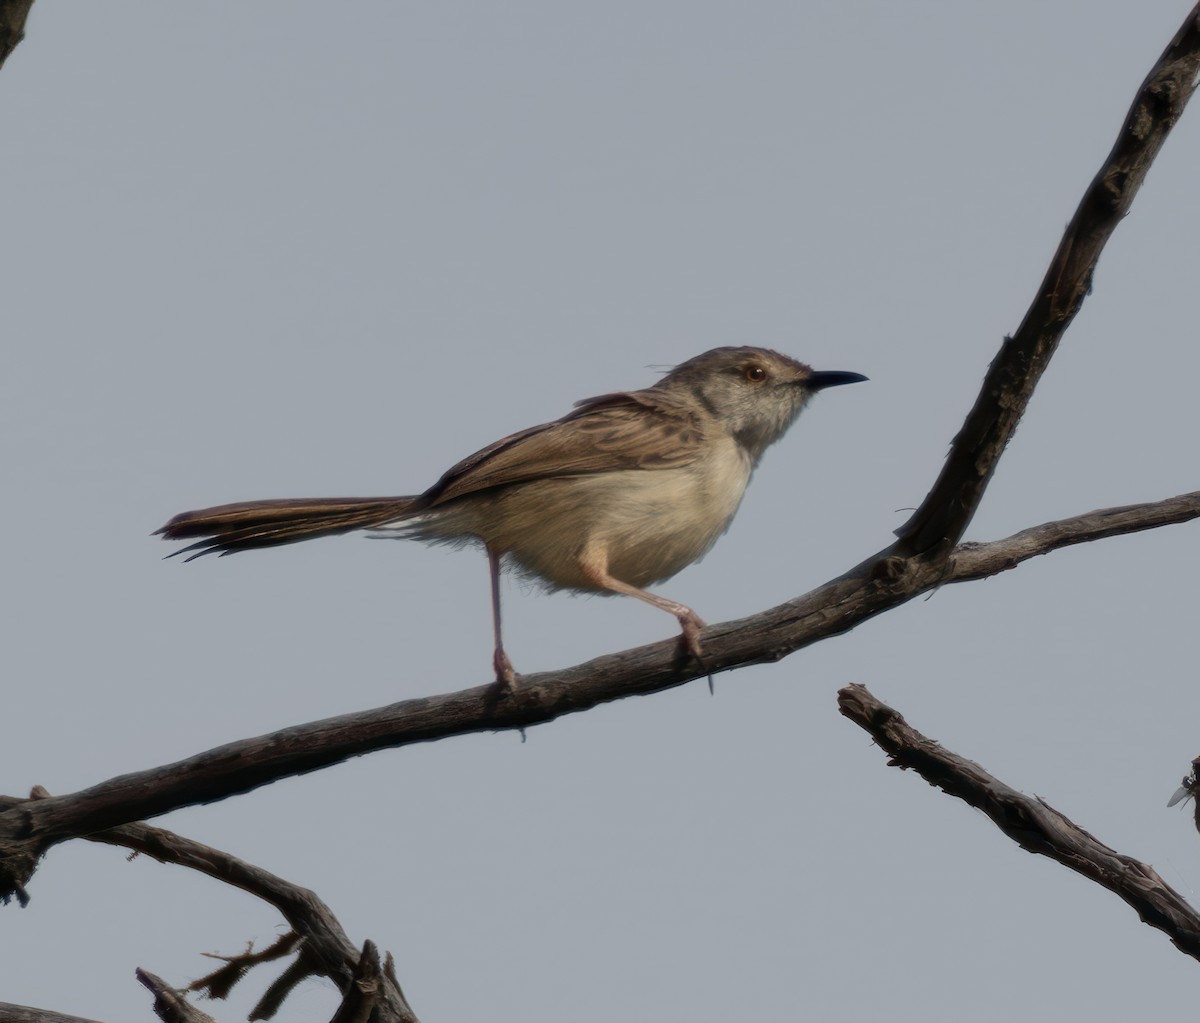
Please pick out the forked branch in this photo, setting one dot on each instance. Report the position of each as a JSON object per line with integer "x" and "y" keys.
{"x": 945, "y": 513}
{"x": 317, "y": 938}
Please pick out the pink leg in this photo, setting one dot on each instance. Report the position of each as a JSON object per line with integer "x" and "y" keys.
{"x": 505, "y": 676}
{"x": 595, "y": 566}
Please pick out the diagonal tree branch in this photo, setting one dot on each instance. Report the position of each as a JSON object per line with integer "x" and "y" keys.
{"x": 29, "y": 827}
{"x": 306, "y": 747}
{"x": 1030, "y": 822}
{"x": 945, "y": 513}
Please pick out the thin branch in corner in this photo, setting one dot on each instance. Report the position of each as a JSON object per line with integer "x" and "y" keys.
{"x": 1027, "y": 820}
{"x": 317, "y": 937}
{"x": 980, "y": 560}
{"x": 323, "y": 948}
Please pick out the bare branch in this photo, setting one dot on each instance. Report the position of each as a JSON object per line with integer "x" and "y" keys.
{"x": 1016, "y": 369}
{"x": 298, "y": 971}
{"x": 1030, "y": 822}
{"x": 170, "y": 1005}
{"x": 979, "y": 560}
{"x": 10, "y": 1013}
{"x": 332, "y": 951}
{"x": 363, "y": 994}
{"x": 326, "y": 949}
{"x": 220, "y": 983}
{"x": 29, "y": 827}
{"x": 360, "y": 999}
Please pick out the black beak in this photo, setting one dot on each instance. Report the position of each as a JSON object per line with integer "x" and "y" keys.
{"x": 819, "y": 380}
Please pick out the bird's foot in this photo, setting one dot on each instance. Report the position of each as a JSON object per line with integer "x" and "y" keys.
{"x": 506, "y": 678}
{"x": 692, "y": 624}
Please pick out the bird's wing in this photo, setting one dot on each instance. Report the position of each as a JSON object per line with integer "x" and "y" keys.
{"x": 628, "y": 430}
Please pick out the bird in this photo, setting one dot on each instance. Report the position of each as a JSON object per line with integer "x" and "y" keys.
{"x": 621, "y": 493}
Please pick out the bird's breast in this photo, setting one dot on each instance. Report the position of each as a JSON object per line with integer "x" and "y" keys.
{"x": 651, "y": 523}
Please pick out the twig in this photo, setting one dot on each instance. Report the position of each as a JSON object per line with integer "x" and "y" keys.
{"x": 979, "y": 560}
{"x": 169, "y": 1005}
{"x": 332, "y": 951}
{"x": 220, "y": 983}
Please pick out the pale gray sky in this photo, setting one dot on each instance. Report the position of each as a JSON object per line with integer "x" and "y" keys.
{"x": 256, "y": 250}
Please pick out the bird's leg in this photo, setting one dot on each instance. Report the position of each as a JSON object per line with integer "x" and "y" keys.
{"x": 505, "y": 676}
{"x": 594, "y": 563}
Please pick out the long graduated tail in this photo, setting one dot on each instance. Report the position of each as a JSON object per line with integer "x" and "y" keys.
{"x": 228, "y": 528}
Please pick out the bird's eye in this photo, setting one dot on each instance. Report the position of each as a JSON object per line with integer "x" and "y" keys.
{"x": 755, "y": 374}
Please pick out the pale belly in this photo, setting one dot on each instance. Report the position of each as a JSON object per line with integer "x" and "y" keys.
{"x": 650, "y": 524}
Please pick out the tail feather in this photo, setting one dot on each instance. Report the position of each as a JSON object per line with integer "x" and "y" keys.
{"x": 229, "y": 528}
